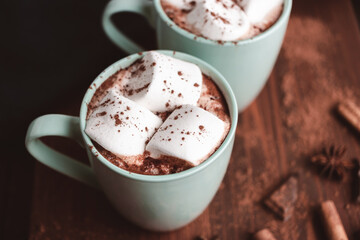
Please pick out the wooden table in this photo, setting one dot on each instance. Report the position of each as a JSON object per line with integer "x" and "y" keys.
{"x": 291, "y": 119}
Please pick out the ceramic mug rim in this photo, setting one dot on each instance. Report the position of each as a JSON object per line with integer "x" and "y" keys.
{"x": 283, "y": 18}
{"x": 219, "y": 80}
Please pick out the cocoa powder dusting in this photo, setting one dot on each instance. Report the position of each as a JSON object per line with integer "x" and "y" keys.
{"x": 117, "y": 120}
{"x": 101, "y": 114}
{"x": 311, "y": 120}
{"x": 178, "y": 16}
{"x": 152, "y": 166}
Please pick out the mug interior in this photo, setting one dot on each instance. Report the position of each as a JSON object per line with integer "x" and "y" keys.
{"x": 125, "y": 62}
{"x": 283, "y": 18}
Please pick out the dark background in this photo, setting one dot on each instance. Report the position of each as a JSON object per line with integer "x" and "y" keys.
{"x": 50, "y": 52}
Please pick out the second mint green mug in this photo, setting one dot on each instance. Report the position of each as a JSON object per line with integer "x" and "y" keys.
{"x": 160, "y": 203}
{"x": 246, "y": 64}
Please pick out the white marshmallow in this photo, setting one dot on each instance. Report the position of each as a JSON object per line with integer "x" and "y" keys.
{"x": 121, "y": 126}
{"x": 219, "y": 20}
{"x": 182, "y": 4}
{"x": 161, "y": 83}
{"x": 189, "y": 133}
{"x": 261, "y": 11}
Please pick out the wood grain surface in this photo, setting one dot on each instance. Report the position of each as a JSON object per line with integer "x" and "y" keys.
{"x": 292, "y": 118}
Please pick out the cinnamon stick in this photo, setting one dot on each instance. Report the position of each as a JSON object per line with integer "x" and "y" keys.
{"x": 350, "y": 112}
{"x": 264, "y": 234}
{"x": 332, "y": 222}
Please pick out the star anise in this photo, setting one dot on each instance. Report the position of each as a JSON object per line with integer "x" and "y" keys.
{"x": 332, "y": 161}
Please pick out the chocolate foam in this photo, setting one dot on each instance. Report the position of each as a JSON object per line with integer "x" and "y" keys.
{"x": 211, "y": 99}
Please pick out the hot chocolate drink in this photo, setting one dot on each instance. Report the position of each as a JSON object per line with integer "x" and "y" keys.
{"x": 223, "y": 20}
{"x": 158, "y": 116}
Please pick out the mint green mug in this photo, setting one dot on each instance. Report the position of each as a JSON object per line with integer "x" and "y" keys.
{"x": 246, "y": 64}
{"x": 160, "y": 203}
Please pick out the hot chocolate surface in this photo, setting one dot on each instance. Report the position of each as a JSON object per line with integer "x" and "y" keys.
{"x": 211, "y": 100}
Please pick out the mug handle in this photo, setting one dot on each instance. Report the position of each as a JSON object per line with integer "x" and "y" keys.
{"x": 64, "y": 126}
{"x": 141, "y": 7}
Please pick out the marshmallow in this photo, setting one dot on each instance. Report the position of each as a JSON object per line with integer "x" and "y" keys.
{"x": 189, "y": 133}
{"x": 182, "y": 4}
{"x": 261, "y": 11}
{"x": 161, "y": 83}
{"x": 219, "y": 20}
{"x": 121, "y": 126}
